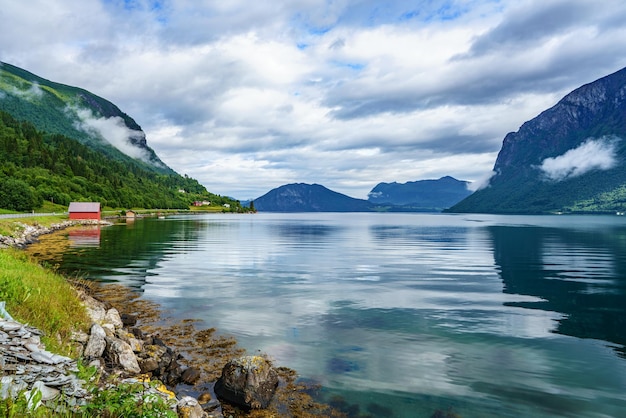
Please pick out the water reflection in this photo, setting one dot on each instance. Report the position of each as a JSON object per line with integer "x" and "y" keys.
{"x": 402, "y": 314}
{"x": 124, "y": 252}
{"x": 311, "y": 231}
{"x": 580, "y": 273}
{"x": 84, "y": 237}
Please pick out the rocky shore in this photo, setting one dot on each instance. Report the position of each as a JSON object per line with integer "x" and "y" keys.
{"x": 29, "y": 232}
{"x": 125, "y": 354}
{"x": 121, "y": 355}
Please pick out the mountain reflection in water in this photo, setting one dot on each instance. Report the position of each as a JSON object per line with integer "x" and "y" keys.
{"x": 404, "y": 314}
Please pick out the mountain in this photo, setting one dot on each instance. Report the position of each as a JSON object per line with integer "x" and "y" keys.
{"x": 301, "y": 197}
{"x": 571, "y": 158}
{"x": 76, "y": 113}
{"x": 425, "y": 195}
{"x": 60, "y": 143}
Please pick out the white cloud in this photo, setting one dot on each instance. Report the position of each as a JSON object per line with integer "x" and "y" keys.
{"x": 114, "y": 131}
{"x": 346, "y": 93}
{"x": 593, "y": 154}
{"x": 481, "y": 182}
{"x": 32, "y": 93}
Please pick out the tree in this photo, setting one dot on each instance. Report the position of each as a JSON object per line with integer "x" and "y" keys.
{"x": 16, "y": 195}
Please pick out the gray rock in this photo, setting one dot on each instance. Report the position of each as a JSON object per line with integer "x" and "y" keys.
{"x": 32, "y": 347}
{"x": 97, "y": 343}
{"x": 42, "y": 357}
{"x": 189, "y": 407}
{"x": 248, "y": 381}
{"x": 47, "y": 393}
{"x": 96, "y": 312}
{"x": 8, "y": 326}
{"x": 136, "y": 345}
{"x": 112, "y": 316}
{"x": 148, "y": 365}
{"x": 121, "y": 353}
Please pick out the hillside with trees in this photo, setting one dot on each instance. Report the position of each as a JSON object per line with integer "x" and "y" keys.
{"x": 36, "y": 166}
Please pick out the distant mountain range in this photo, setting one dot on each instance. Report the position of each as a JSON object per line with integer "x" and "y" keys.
{"x": 569, "y": 159}
{"x": 417, "y": 196}
{"x": 429, "y": 195}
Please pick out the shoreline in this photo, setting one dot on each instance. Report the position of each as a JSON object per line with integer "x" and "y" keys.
{"x": 199, "y": 348}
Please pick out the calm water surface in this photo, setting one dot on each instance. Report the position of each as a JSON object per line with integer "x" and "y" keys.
{"x": 399, "y": 314}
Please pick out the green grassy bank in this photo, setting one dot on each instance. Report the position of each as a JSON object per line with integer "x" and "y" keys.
{"x": 47, "y": 301}
{"x": 38, "y": 296}
{"x": 42, "y": 299}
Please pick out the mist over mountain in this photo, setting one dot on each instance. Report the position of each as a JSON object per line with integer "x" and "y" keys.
{"x": 570, "y": 158}
{"x": 76, "y": 113}
{"x": 427, "y": 195}
{"x": 60, "y": 143}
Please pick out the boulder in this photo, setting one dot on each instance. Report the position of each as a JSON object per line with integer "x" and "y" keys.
{"x": 148, "y": 365}
{"x": 121, "y": 353}
{"x": 190, "y": 376}
{"x": 136, "y": 345}
{"x": 112, "y": 316}
{"x": 248, "y": 381}
{"x": 96, "y": 343}
{"x": 128, "y": 320}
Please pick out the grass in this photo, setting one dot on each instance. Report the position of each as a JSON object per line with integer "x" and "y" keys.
{"x": 211, "y": 209}
{"x": 111, "y": 401}
{"x": 42, "y": 299}
{"x": 47, "y": 301}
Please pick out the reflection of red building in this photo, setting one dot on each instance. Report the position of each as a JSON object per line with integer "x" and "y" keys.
{"x": 84, "y": 210}
{"x": 84, "y": 237}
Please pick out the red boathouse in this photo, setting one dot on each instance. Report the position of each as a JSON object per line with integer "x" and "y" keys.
{"x": 84, "y": 210}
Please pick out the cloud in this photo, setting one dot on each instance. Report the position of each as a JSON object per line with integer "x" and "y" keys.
{"x": 347, "y": 93}
{"x": 114, "y": 131}
{"x": 593, "y": 154}
{"x": 32, "y": 93}
{"x": 482, "y": 182}
{"x": 530, "y": 24}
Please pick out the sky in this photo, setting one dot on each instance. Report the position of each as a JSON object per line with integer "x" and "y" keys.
{"x": 246, "y": 96}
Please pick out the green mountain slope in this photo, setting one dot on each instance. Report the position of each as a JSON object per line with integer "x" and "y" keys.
{"x": 570, "y": 158}
{"x": 76, "y": 113}
{"x": 54, "y": 147}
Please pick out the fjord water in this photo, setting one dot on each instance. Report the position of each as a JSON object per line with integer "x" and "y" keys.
{"x": 400, "y": 315}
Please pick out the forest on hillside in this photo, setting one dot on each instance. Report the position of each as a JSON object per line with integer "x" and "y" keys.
{"x": 36, "y": 166}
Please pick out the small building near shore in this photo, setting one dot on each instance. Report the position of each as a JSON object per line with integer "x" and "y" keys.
{"x": 85, "y": 210}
